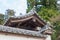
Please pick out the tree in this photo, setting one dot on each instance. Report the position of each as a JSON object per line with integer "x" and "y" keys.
{"x": 49, "y": 3}
{"x": 37, "y": 3}
{"x": 1, "y": 18}
{"x": 10, "y": 12}
{"x": 47, "y": 11}
{"x": 56, "y": 23}
{"x": 30, "y": 4}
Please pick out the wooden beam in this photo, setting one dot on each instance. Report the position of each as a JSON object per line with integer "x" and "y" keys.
{"x": 41, "y": 22}
{"x": 13, "y": 21}
{"x": 18, "y": 25}
{"x": 36, "y": 22}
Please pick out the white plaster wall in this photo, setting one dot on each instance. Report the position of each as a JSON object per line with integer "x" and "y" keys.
{"x": 10, "y": 37}
{"x": 48, "y": 37}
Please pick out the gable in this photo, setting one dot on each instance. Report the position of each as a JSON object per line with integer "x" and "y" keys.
{"x": 28, "y": 22}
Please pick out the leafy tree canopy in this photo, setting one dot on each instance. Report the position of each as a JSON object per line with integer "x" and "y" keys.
{"x": 10, "y": 12}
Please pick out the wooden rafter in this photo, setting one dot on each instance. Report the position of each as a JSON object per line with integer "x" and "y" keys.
{"x": 14, "y": 21}
{"x": 40, "y": 22}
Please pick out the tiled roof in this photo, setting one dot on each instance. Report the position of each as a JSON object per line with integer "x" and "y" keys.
{"x": 23, "y": 31}
{"x": 20, "y": 31}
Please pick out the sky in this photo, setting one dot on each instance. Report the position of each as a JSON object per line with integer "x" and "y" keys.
{"x": 19, "y": 6}
{"x": 58, "y": 2}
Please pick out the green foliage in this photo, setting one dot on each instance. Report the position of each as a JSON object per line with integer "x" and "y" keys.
{"x": 1, "y": 21}
{"x": 56, "y": 34}
{"x": 1, "y": 18}
{"x": 48, "y": 3}
{"x": 47, "y": 13}
{"x": 10, "y": 12}
{"x": 30, "y": 3}
{"x": 29, "y": 9}
{"x": 57, "y": 24}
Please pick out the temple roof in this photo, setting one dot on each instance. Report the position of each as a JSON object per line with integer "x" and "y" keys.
{"x": 31, "y": 14}
{"x": 21, "y": 31}
{"x": 26, "y": 25}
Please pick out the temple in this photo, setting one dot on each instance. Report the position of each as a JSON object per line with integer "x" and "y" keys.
{"x": 31, "y": 25}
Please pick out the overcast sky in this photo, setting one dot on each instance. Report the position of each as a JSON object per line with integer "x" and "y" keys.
{"x": 17, "y": 5}
{"x": 58, "y": 2}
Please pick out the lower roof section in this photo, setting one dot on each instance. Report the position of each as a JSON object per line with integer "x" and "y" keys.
{"x": 12, "y": 36}
{"x": 20, "y": 31}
